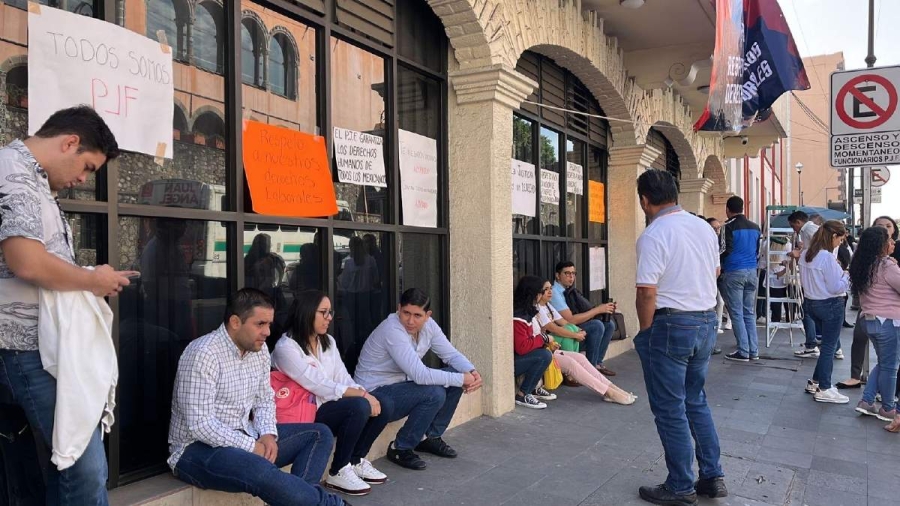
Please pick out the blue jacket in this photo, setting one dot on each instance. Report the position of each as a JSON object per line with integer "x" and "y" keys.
{"x": 741, "y": 240}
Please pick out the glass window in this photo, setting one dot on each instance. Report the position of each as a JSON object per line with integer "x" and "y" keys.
{"x": 88, "y": 239}
{"x": 549, "y": 161}
{"x": 180, "y": 296}
{"x": 575, "y": 203}
{"x": 419, "y": 107}
{"x": 552, "y": 252}
{"x": 362, "y": 288}
{"x": 576, "y": 255}
{"x": 524, "y": 258}
{"x": 208, "y": 42}
{"x": 358, "y": 91}
{"x": 251, "y": 70}
{"x": 420, "y": 267}
{"x": 420, "y": 34}
{"x": 523, "y": 143}
{"x": 85, "y": 8}
{"x": 283, "y": 66}
{"x": 172, "y": 17}
{"x": 596, "y": 171}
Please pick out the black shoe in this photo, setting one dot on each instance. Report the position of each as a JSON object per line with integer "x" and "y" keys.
{"x": 660, "y": 494}
{"x": 405, "y": 458}
{"x": 437, "y": 446}
{"x": 737, "y": 357}
{"x": 848, "y": 325}
{"x": 717, "y": 351}
{"x": 712, "y": 487}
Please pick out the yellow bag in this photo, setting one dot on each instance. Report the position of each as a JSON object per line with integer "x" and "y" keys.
{"x": 553, "y": 377}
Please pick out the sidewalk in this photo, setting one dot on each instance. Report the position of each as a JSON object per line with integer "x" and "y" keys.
{"x": 779, "y": 447}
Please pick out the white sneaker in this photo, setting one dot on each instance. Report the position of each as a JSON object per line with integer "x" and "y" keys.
{"x": 831, "y": 396}
{"x": 727, "y": 325}
{"x": 348, "y": 482}
{"x": 541, "y": 394}
{"x": 720, "y": 331}
{"x": 368, "y": 473}
{"x": 807, "y": 352}
{"x": 839, "y": 355}
{"x": 812, "y": 386}
{"x": 529, "y": 401}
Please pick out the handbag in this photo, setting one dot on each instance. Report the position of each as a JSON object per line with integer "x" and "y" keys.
{"x": 553, "y": 376}
{"x": 293, "y": 403}
{"x": 620, "y": 332}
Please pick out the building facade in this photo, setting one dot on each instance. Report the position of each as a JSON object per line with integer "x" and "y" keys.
{"x": 593, "y": 83}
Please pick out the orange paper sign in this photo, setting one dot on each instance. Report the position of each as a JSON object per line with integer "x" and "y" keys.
{"x": 287, "y": 172}
{"x": 597, "y": 198}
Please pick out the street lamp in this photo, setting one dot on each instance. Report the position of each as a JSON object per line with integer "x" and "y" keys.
{"x": 799, "y": 167}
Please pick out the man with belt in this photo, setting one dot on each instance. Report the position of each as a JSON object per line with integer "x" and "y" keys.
{"x": 677, "y": 266}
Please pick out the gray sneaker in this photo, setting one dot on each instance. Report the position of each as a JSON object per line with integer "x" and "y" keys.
{"x": 864, "y": 408}
{"x": 886, "y": 416}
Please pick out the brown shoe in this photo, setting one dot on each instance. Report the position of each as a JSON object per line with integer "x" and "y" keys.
{"x": 893, "y": 426}
{"x": 570, "y": 382}
{"x": 604, "y": 371}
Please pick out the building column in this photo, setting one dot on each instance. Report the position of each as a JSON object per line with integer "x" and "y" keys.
{"x": 626, "y": 222}
{"x": 692, "y": 194}
{"x": 480, "y": 107}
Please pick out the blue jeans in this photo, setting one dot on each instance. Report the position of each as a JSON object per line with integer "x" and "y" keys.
{"x": 429, "y": 408}
{"x": 532, "y": 365}
{"x": 596, "y": 342}
{"x": 883, "y": 379}
{"x": 674, "y": 354}
{"x": 306, "y": 446}
{"x": 738, "y": 288}
{"x": 34, "y": 390}
{"x": 348, "y": 418}
{"x": 830, "y": 313}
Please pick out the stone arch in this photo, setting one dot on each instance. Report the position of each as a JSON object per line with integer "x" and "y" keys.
{"x": 682, "y": 147}
{"x": 205, "y": 109}
{"x": 716, "y": 172}
{"x": 12, "y": 62}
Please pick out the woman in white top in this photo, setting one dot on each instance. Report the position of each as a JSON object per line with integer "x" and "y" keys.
{"x": 824, "y": 285}
{"x": 309, "y": 356}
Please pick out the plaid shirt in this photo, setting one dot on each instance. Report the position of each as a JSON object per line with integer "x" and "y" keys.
{"x": 216, "y": 390}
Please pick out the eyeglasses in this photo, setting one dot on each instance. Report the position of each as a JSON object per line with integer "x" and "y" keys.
{"x": 569, "y": 273}
{"x": 326, "y": 313}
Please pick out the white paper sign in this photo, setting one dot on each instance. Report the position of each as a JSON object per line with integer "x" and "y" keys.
{"x": 126, "y": 77}
{"x": 524, "y": 188}
{"x": 574, "y": 178}
{"x": 549, "y": 187}
{"x": 359, "y": 158}
{"x": 418, "y": 179}
{"x": 598, "y": 268}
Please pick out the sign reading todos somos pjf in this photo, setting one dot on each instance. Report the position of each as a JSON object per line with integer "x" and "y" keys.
{"x": 126, "y": 77}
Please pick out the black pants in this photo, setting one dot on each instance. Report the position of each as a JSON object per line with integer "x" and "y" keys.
{"x": 859, "y": 349}
{"x": 346, "y": 417}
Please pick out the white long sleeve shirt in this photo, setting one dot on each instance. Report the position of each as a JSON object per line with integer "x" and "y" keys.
{"x": 822, "y": 278}
{"x": 324, "y": 373}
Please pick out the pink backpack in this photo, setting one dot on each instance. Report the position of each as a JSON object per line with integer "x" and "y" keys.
{"x": 293, "y": 403}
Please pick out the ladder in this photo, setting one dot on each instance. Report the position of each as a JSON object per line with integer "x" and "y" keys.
{"x": 793, "y": 301}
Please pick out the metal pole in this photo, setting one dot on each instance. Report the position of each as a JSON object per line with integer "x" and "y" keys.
{"x": 866, "y": 172}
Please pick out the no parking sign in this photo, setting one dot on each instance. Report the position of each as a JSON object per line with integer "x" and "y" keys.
{"x": 865, "y": 122}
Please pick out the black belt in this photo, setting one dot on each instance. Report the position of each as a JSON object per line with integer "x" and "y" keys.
{"x": 671, "y": 311}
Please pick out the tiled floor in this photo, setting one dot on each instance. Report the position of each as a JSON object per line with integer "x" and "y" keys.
{"x": 779, "y": 447}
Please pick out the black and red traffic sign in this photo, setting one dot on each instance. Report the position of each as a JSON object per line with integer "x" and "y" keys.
{"x": 858, "y": 87}
{"x": 865, "y": 117}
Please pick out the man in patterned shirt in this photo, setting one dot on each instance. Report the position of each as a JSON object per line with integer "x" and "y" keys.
{"x": 36, "y": 252}
{"x": 223, "y": 434}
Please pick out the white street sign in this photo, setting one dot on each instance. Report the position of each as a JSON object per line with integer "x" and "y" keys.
{"x": 865, "y": 122}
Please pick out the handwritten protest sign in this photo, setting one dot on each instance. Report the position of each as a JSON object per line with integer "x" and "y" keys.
{"x": 549, "y": 187}
{"x": 574, "y": 178}
{"x": 597, "y": 197}
{"x": 359, "y": 158}
{"x": 598, "y": 268}
{"x": 287, "y": 172}
{"x": 524, "y": 188}
{"x": 418, "y": 179}
{"x": 126, "y": 77}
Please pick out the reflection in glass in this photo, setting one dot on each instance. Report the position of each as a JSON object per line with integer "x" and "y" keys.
{"x": 180, "y": 295}
{"x": 596, "y": 171}
{"x": 552, "y": 252}
{"x": 524, "y": 258}
{"x": 361, "y": 287}
{"x": 420, "y": 34}
{"x": 172, "y": 17}
{"x": 575, "y": 204}
{"x": 83, "y": 7}
{"x": 523, "y": 150}
{"x": 358, "y": 91}
{"x": 549, "y": 161}
{"x": 420, "y": 267}
{"x": 209, "y": 37}
{"x": 87, "y": 238}
{"x": 251, "y": 52}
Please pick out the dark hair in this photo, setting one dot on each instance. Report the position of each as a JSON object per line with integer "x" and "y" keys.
{"x": 527, "y": 289}
{"x": 563, "y": 265}
{"x": 711, "y": 219}
{"x": 242, "y": 303}
{"x": 824, "y": 238}
{"x": 896, "y": 232}
{"x": 302, "y": 319}
{"x": 735, "y": 205}
{"x": 658, "y": 186}
{"x": 867, "y": 259}
{"x": 83, "y": 121}
{"x": 798, "y": 216}
{"x": 415, "y": 297}
{"x": 701, "y": 217}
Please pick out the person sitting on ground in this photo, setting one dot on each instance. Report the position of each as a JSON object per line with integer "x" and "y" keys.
{"x": 223, "y": 434}
{"x": 391, "y": 368}
{"x": 309, "y": 356}
{"x": 531, "y": 357}
{"x": 574, "y": 365}
{"x": 578, "y": 310}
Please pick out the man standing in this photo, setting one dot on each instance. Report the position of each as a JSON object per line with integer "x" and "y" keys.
{"x": 577, "y": 310}
{"x": 720, "y": 302}
{"x": 223, "y": 434}
{"x": 677, "y": 265}
{"x": 739, "y": 281}
{"x": 36, "y": 243}
{"x": 390, "y": 368}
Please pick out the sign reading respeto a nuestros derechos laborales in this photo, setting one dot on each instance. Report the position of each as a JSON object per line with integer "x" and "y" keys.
{"x": 865, "y": 117}
{"x": 126, "y": 77}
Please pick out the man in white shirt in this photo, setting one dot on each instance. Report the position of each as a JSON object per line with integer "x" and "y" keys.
{"x": 223, "y": 434}
{"x": 677, "y": 267}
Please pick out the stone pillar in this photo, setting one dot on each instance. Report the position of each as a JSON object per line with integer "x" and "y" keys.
{"x": 480, "y": 130}
{"x": 692, "y": 194}
{"x": 626, "y": 222}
